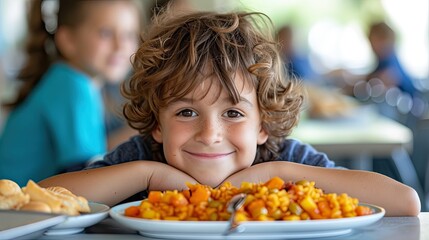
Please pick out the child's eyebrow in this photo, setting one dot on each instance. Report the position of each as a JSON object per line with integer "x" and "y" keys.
{"x": 223, "y": 100}
{"x": 246, "y": 101}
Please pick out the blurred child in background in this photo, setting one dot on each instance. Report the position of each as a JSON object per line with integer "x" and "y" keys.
{"x": 296, "y": 64}
{"x": 56, "y": 122}
{"x": 388, "y": 68}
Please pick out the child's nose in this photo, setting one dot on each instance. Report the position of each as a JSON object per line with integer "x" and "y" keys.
{"x": 210, "y": 131}
{"x": 117, "y": 42}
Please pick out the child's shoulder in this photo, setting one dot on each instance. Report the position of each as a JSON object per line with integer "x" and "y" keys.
{"x": 294, "y": 150}
{"x": 137, "y": 147}
{"x": 61, "y": 80}
{"x": 294, "y": 146}
{"x": 67, "y": 73}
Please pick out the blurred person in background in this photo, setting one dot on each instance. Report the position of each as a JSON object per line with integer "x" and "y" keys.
{"x": 399, "y": 98}
{"x": 322, "y": 101}
{"x": 297, "y": 64}
{"x": 56, "y": 122}
{"x": 118, "y": 130}
{"x": 390, "y": 72}
{"x": 388, "y": 68}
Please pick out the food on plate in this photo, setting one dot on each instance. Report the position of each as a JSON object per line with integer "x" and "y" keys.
{"x": 80, "y": 203}
{"x": 328, "y": 103}
{"x": 11, "y": 196}
{"x": 36, "y": 206}
{"x": 32, "y": 197}
{"x": 269, "y": 201}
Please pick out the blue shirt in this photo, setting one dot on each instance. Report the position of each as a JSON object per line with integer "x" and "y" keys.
{"x": 391, "y": 64}
{"x": 60, "y": 124}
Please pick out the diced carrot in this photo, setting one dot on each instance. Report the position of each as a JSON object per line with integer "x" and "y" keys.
{"x": 257, "y": 208}
{"x": 256, "y": 204}
{"x": 362, "y": 210}
{"x": 178, "y": 200}
{"x": 200, "y": 194}
{"x": 324, "y": 209}
{"x": 187, "y": 193}
{"x": 155, "y": 196}
{"x": 132, "y": 211}
{"x": 275, "y": 183}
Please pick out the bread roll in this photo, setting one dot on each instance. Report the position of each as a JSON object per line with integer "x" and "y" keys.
{"x": 13, "y": 201}
{"x": 8, "y": 187}
{"x": 36, "y": 206}
{"x": 11, "y": 195}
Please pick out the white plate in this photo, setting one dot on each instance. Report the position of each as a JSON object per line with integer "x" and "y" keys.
{"x": 252, "y": 230}
{"x": 14, "y": 224}
{"x": 75, "y": 224}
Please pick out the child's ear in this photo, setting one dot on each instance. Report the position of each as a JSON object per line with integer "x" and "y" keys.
{"x": 262, "y": 136}
{"x": 157, "y": 134}
{"x": 64, "y": 41}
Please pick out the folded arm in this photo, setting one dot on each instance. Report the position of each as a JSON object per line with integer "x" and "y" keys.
{"x": 110, "y": 185}
{"x": 369, "y": 187}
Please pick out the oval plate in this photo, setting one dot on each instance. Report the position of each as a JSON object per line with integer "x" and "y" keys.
{"x": 75, "y": 224}
{"x": 252, "y": 230}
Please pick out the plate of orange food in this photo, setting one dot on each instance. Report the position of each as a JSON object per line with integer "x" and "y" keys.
{"x": 271, "y": 210}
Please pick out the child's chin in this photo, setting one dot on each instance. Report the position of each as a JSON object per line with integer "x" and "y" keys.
{"x": 212, "y": 181}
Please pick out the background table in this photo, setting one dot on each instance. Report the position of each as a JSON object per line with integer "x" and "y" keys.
{"x": 392, "y": 228}
{"x": 347, "y": 137}
{"x": 361, "y": 137}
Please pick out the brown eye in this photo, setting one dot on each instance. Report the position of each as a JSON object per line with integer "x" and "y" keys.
{"x": 187, "y": 113}
{"x": 233, "y": 114}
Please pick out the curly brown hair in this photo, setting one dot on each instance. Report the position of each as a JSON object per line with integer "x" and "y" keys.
{"x": 177, "y": 51}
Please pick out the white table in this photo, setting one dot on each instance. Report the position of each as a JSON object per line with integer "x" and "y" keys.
{"x": 392, "y": 228}
{"x": 361, "y": 137}
{"x": 366, "y": 131}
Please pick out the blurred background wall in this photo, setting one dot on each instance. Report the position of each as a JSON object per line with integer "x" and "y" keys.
{"x": 335, "y": 30}
{"x": 332, "y": 32}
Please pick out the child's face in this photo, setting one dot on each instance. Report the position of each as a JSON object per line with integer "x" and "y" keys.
{"x": 104, "y": 42}
{"x": 210, "y": 138}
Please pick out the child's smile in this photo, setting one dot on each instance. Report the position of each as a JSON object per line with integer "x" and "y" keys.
{"x": 208, "y": 155}
{"x": 208, "y": 136}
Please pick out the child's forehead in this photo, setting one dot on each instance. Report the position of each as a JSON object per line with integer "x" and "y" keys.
{"x": 213, "y": 88}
